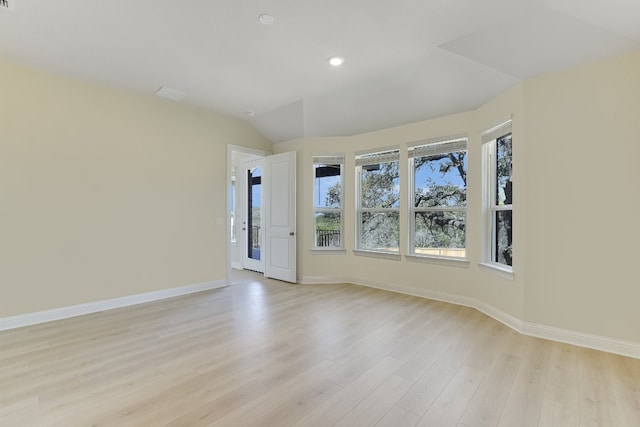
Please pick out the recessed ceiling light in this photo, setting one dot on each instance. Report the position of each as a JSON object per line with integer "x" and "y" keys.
{"x": 249, "y": 113}
{"x": 336, "y": 61}
{"x": 265, "y": 19}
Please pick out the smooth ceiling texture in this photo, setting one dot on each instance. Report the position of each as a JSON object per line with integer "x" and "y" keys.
{"x": 405, "y": 60}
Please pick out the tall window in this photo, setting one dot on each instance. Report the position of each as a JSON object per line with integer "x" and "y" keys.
{"x": 327, "y": 201}
{"x": 438, "y": 210}
{"x": 232, "y": 206}
{"x": 499, "y": 192}
{"x": 378, "y": 204}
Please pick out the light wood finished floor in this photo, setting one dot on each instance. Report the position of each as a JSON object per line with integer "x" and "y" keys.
{"x": 266, "y": 353}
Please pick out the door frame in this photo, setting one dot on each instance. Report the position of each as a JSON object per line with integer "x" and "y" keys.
{"x": 232, "y": 152}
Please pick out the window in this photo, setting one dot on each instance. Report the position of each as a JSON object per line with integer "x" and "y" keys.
{"x": 327, "y": 201}
{"x": 499, "y": 192}
{"x": 232, "y": 205}
{"x": 438, "y": 209}
{"x": 378, "y": 204}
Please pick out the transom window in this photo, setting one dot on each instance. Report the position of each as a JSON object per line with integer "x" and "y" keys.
{"x": 438, "y": 210}
{"x": 378, "y": 204}
{"x": 327, "y": 201}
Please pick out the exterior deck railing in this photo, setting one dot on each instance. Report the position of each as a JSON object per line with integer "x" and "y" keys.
{"x": 327, "y": 238}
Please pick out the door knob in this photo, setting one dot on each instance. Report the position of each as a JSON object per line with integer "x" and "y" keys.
{"x": 291, "y": 233}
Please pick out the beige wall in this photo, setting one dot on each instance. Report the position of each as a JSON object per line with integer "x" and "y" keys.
{"x": 576, "y": 208}
{"x": 583, "y": 198}
{"x": 105, "y": 193}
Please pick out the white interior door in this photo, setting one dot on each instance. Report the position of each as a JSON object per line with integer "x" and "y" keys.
{"x": 279, "y": 182}
{"x": 252, "y": 226}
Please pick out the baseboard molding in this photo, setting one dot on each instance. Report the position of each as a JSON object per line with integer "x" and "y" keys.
{"x": 422, "y": 293}
{"x": 595, "y": 342}
{"x": 29, "y": 319}
{"x": 322, "y": 280}
{"x": 609, "y": 345}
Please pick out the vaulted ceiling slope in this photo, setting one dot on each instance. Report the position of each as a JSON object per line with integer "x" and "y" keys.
{"x": 405, "y": 60}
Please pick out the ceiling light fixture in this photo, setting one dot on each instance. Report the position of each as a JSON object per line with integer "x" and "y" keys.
{"x": 249, "y": 113}
{"x": 266, "y": 19}
{"x": 336, "y": 61}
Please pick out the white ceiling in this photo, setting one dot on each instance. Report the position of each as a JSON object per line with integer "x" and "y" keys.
{"x": 406, "y": 60}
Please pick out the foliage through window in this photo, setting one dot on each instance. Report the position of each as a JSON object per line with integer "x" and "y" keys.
{"x": 327, "y": 201}
{"x": 438, "y": 208}
{"x": 378, "y": 205}
{"x": 498, "y": 148}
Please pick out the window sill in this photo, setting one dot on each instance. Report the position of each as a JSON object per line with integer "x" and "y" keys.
{"x": 378, "y": 254}
{"x": 452, "y": 262}
{"x": 505, "y": 272}
{"x": 328, "y": 251}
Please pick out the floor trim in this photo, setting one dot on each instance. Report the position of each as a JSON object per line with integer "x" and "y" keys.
{"x": 609, "y": 345}
{"x": 29, "y": 319}
{"x": 322, "y": 280}
{"x": 595, "y": 342}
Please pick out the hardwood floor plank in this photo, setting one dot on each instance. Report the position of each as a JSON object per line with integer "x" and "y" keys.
{"x": 428, "y": 387}
{"x": 351, "y": 395}
{"x": 560, "y": 399}
{"x": 625, "y": 378}
{"x": 596, "y": 400}
{"x": 398, "y": 417}
{"x": 485, "y": 409}
{"x": 524, "y": 403}
{"x": 264, "y": 352}
{"x": 449, "y": 406}
{"x": 259, "y": 407}
{"x": 375, "y": 406}
{"x": 214, "y": 410}
{"x": 289, "y": 412}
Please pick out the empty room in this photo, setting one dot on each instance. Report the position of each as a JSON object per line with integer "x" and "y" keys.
{"x": 319, "y": 213}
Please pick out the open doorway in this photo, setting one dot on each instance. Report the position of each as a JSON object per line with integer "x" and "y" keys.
{"x": 238, "y": 244}
{"x": 261, "y": 213}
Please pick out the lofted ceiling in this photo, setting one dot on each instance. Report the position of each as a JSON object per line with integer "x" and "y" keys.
{"x": 405, "y": 60}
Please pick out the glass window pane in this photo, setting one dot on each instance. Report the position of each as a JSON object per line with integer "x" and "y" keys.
{"x": 503, "y": 226}
{"x": 504, "y": 171}
{"x": 380, "y": 185}
{"x": 441, "y": 180}
{"x": 328, "y": 229}
{"x": 253, "y": 217}
{"x": 327, "y": 186}
{"x": 440, "y": 234}
{"x": 380, "y": 231}
{"x": 232, "y": 204}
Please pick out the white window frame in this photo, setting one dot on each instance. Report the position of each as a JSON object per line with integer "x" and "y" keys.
{"x": 431, "y": 147}
{"x": 367, "y": 158}
{"x": 322, "y": 159}
{"x": 491, "y": 206}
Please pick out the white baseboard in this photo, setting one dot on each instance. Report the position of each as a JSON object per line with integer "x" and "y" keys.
{"x": 323, "y": 280}
{"x": 29, "y": 319}
{"x": 609, "y": 345}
